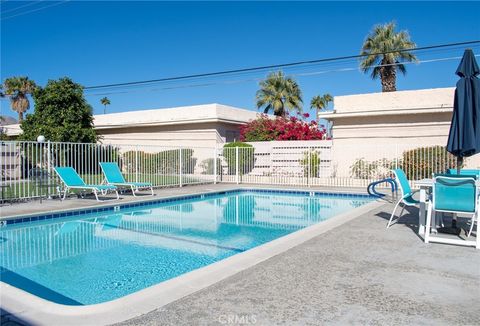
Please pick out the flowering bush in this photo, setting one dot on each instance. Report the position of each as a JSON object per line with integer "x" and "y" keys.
{"x": 281, "y": 128}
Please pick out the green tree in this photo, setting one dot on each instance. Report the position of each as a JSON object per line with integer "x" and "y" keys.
{"x": 320, "y": 102}
{"x": 18, "y": 89}
{"x": 105, "y": 101}
{"x": 279, "y": 93}
{"x": 384, "y": 52}
{"x": 61, "y": 114}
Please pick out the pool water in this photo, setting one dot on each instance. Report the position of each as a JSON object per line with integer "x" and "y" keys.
{"x": 98, "y": 257}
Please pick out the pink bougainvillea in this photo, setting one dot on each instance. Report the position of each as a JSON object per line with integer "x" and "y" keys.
{"x": 265, "y": 128}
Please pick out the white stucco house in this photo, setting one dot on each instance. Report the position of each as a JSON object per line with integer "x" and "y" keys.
{"x": 383, "y": 125}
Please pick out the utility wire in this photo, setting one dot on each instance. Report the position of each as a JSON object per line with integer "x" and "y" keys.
{"x": 301, "y": 74}
{"x": 28, "y": 4}
{"x": 37, "y": 9}
{"x": 283, "y": 65}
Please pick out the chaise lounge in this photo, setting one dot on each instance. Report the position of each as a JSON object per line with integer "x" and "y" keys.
{"x": 114, "y": 176}
{"x": 72, "y": 180}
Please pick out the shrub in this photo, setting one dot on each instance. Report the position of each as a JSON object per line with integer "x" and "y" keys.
{"x": 164, "y": 162}
{"x": 208, "y": 165}
{"x": 363, "y": 169}
{"x": 311, "y": 164}
{"x": 84, "y": 158}
{"x": 246, "y": 158}
{"x": 421, "y": 162}
{"x": 265, "y": 128}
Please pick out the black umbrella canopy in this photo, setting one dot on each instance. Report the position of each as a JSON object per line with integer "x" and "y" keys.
{"x": 464, "y": 136}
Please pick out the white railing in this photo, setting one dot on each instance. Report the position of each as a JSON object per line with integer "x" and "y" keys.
{"x": 27, "y": 167}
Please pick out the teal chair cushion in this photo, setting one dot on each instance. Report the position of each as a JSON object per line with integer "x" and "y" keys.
{"x": 112, "y": 172}
{"x": 403, "y": 181}
{"x": 464, "y": 172}
{"x": 409, "y": 200}
{"x": 140, "y": 184}
{"x": 69, "y": 176}
{"x": 455, "y": 194}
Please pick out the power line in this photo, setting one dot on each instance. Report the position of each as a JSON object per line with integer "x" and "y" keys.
{"x": 34, "y": 10}
{"x": 301, "y": 74}
{"x": 28, "y": 4}
{"x": 283, "y": 65}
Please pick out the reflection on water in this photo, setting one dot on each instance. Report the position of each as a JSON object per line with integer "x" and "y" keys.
{"x": 181, "y": 236}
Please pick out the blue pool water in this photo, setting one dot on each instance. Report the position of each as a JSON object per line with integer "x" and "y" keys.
{"x": 97, "y": 257}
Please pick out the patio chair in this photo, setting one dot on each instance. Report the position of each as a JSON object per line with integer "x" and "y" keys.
{"x": 114, "y": 176}
{"x": 407, "y": 194}
{"x": 458, "y": 195}
{"x": 72, "y": 180}
{"x": 465, "y": 172}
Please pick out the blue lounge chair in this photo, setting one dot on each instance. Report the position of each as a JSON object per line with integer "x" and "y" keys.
{"x": 114, "y": 177}
{"x": 72, "y": 180}
{"x": 407, "y": 194}
{"x": 458, "y": 195}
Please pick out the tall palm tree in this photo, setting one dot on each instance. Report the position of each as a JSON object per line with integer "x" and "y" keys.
{"x": 384, "y": 52}
{"x": 105, "y": 101}
{"x": 279, "y": 93}
{"x": 320, "y": 102}
{"x": 18, "y": 88}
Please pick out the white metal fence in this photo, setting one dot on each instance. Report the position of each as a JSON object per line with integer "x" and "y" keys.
{"x": 27, "y": 167}
{"x": 325, "y": 165}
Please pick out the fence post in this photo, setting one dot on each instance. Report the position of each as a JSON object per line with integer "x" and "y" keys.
{"x": 309, "y": 163}
{"x": 180, "y": 167}
{"x": 49, "y": 171}
{"x": 136, "y": 164}
{"x": 215, "y": 165}
{"x": 236, "y": 166}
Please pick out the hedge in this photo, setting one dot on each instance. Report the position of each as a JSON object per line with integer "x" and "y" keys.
{"x": 312, "y": 159}
{"x": 164, "y": 162}
{"x": 421, "y": 162}
{"x": 246, "y": 158}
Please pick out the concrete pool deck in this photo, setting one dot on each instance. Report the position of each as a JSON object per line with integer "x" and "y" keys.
{"x": 355, "y": 273}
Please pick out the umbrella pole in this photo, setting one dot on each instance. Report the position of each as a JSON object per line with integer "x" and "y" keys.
{"x": 459, "y": 167}
{"x": 459, "y": 163}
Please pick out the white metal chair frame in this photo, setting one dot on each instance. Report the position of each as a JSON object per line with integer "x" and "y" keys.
{"x": 86, "y": 187}
{"x": 401, "y": 201}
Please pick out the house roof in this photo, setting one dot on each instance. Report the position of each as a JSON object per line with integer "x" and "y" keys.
{"x": 168, "y": 116}
{"x": 435, "y": 100}
{"x": 179, "y": 115}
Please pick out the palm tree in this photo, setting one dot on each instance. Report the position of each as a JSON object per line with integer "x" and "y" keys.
{"x": 384, "y": 50}
{"x": 105, "y": 101}
{"x": 320, "y": 102}
{"x": 18, "y": 88}
{"x": 279, "y": 93}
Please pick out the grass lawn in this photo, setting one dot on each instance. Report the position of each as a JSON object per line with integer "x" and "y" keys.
{"x": 24, "y": 188}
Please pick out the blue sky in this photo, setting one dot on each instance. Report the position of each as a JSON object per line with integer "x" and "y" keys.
{"x": 118, "y": 41}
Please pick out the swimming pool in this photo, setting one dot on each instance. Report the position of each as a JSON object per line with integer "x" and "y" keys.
{"x": 94, "y": 257}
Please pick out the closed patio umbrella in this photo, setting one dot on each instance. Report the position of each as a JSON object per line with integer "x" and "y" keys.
{"x": 464, "y": 136}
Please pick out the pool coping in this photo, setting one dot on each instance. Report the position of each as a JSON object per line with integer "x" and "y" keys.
{"x": 38, "y": 311}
